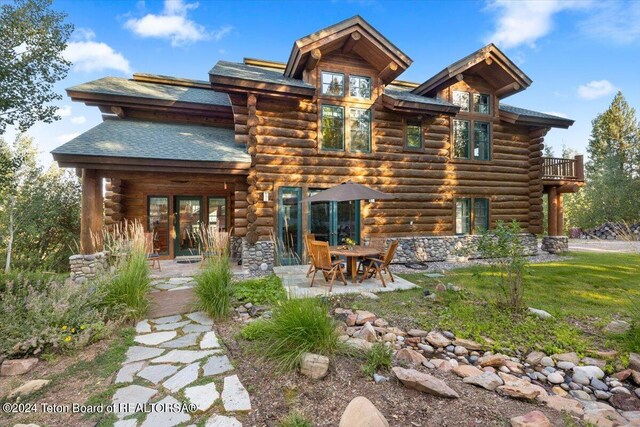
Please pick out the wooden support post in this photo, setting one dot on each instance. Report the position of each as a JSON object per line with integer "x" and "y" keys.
{"x": 579, "y": 167}
{"x": 560, "y": 218}
{"x": 552, "y": 217}
{"x": 91, "y": 215}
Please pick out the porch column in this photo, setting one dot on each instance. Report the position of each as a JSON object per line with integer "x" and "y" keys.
{"x": 560, "y": 219}
{"x": 91, "y": 215}
{"x": 552, "y": 215}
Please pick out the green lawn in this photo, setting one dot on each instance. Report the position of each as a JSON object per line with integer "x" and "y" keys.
{"x": 583, "y": 293}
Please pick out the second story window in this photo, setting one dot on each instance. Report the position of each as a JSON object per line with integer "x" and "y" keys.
{"x": 481, "y": 141}
{"x": 360, "y": 130}
{"x": 332, "y": 127}
{"x": 481, "y": 103}
{"x": 462, "y": 100}
{"x": 461, "y": 142}
{"x": 332, "y": 84}
{"x": 464, "y": 140}
{"x": 413, "y": 137}
{"x": 360, "y": 87}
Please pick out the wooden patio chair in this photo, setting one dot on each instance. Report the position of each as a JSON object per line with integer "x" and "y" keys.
{"x": 152, "y": 254}
{"x": 379, "y": 243}
{"x": 309, "y": 237}
{"x": 321, "y": 258}
{"x": 377, "y": 266}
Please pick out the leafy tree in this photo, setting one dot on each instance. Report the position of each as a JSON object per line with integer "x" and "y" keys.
{"x": 32, "y": 39}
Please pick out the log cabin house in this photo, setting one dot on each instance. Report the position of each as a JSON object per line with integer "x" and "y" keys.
{"x": 241, "y": 150}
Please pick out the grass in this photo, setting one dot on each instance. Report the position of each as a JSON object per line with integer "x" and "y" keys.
{"x": 378, "y": 358}
{"x": 294, "y": 419}
{"x": 262, "y": 290}
{"x": 213, "y": 288}
{"x": 581, "y": 291}
{"x": 297, "y": 326}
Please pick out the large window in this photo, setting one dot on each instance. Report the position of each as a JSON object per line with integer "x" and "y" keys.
{"x": 332, "y": 84}
{"x": 332, "y": 127}
{"x": 461, "y": 143}
{"x": 481, "y": 103}
{"x": 413, "y": 137}
{"x": 158, "y": 222}
{"x": 472, "y": 215}
{"x": 464, "y": 139}
{"x": 360, "y": 129}
{"x": 360, "y": 87}
{"x": 462, "y": 100}
{"x": 481, "y": 141}
{"x": 217, "y": 214}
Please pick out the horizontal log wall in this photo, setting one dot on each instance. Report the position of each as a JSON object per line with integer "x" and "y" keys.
{"x": 282, "y": 139}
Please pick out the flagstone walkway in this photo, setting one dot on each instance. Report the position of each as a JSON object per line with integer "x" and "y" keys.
{"x": 177, "y": 373}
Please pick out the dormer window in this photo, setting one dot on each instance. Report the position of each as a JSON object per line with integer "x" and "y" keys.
{"x": 332, "y": 84}
{"x": 360, "y": 87}
{"x": 481, "y": 103}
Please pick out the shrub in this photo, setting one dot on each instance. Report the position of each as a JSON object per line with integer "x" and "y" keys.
{"x": 297, "y": 326}
{"x": 294, "y": 419}
{"x": 58, "y": 316}
{"x": 213, "y": 287}
{"x": 125, "y": 292}
{"x": 263, "y": 290}
{"x": 506, "y": 252}
{"x": 378, "y": 358}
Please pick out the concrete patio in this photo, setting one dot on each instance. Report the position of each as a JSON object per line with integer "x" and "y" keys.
{"x": 298, "y": 285}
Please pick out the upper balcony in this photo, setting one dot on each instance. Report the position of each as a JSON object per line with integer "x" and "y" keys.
{"x": 558, "y": 171}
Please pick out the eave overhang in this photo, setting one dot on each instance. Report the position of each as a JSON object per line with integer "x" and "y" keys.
{"x": 405, "y": 106}
{"x": 520, "y": 119}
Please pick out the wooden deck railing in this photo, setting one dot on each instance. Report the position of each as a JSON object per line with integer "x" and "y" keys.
{"x": 555, "y": 168}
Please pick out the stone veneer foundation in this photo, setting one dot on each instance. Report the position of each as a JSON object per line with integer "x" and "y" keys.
{"x": 555, "y": 244}
{"x": 85, "y": 267}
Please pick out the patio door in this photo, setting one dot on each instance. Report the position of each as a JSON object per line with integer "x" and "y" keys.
{"x": 334, "y": 221}
{"x": 289, "y": 225}
{"x": 187, "y": 223}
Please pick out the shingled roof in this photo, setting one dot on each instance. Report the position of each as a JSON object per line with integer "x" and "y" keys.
{"x": 232, "y": 73}
{"x": 523, "y": 116}
{"x": 153, "y": 140}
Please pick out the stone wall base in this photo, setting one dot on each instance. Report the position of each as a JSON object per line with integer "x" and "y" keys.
{"x": 259, "y": 257}
{"x": 236, "y": 247}
{"x": 555, "y": 244}
{"x": 85, "y": 267}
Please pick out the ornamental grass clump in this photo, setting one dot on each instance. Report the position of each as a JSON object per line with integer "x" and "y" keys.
{"x": 297, "y": 326}
{"x": 378, "y": 358}
{"x": 294, "y": 419}
{"x": 213, "y": 284}
{"x": 125, "y": 291}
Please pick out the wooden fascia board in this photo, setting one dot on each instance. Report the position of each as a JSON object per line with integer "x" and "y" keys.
{"x": 232, "y": 84}
{"x": 518, "y": 119}
{"x": 408, "y": 106}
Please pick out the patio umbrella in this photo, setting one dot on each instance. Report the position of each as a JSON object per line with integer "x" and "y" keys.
{"x": 348, "y": 191}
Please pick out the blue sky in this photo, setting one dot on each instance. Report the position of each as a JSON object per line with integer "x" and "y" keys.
{"x": 578, "y": 53}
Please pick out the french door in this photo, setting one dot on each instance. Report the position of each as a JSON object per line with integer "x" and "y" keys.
{"x": 289, "y": 225}
{"x": 334, "y": 222}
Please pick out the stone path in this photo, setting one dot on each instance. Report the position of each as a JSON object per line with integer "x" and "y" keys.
{"x": 177, "y": 373}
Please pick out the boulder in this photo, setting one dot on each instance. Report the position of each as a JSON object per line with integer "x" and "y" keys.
{"x": 560, "y": 404}
{"x": 417, "y": 333}
{"x": 342, "y": 314}
{"x": 625, "y": 402}
{"x": 491, "y": 360}
{"x": 366, "y": 333}
{"x": 363, "y": 317}
{"x": 444, "y": 365}
{"x": 523, "y": 391}
{"x": 617, "y": 327}
{"x": 360, "y": 412}
{"x": 468, "y": 344}
{"x": 486, "y": 380}
{"x": 635, "y": 377}
{"x": 356, "y": 343}
{"x": 531, "y": 419}
{"x": 409, "y": 356}
{"x": 534, "y": 357}
{"x": 28, "y": 388}
{"x": 424, "y": 382}
{"x": 436, "y": 339}
{"x": 17, "y": 366}
{"x": 380, "y": 323}
{"x": 464, "y": 371}
{"x": 600, "y": 363}
{"x": 634, "y": 361}
{"x": 566, "y": 357}
{"x": 314, "y": 366}
{"x": 589, "y": 371}
{"x": 540, "y": 313}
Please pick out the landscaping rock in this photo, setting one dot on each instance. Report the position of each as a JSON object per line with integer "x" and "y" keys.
{"x": 598, "y": 385}
{"x": 617, "y": 327}
{"x": 580, "y": 377}
{"x": 426, "y": 348}
{"x": 602, "y": 395}
{"x": 493, "y": 360}
{"x": 424, "y": 382}
{"x": 203, "y": 396}
{"x": 634, "y": 361}
{"x": 464, "y": 371}
{"x": 468, "y": 344}
{"x": 635, "y": 377}
{"x": 580, "y": 394}
{"x": 28, "y": 388}
{"x": 567, "y": 366}
{"x": 341, "y": 314}
{"x": 589, "y": 371}
{"x": 625, "y": 402}
{"x": 357, "y": 343}
{"x": 417, "y": 333}
{"x": 437, "y": 339}
{"x": 547, "y": 361}
{"x": 234, "y": 395}
{"x": 559, "y": 391}
{"x": 540, "y": 313}
{"x": 534, "y": 357}
{"x": 377, "y": 378}
{"x": 363, "y": 317}
{"x": 486, "y": 380}
{"x": 620, "y": 390}
{"x": 566, "y": 357}
{"x": 367, "y": 333}
{"x": 314, "y": 366}
{"x": 531, "y": 419}
{"x": 595, "y": 362}
{"x": 11, "y": 367}
{"x": 360, "y": 412}
{"x": 409, "y": 356}
{"x": 460, "y": 350}
{"x": 380, "y": 323}
{"x": 562, "y": 404}
{"x": 555, "y": 378}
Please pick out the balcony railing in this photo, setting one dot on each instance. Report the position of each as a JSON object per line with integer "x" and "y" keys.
{"x": 555, "y": 168}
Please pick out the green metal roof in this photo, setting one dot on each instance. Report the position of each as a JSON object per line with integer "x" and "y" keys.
{"x": 257, "y": 74}
{"x": 123, "y": 87}
{"x": 152, "y": 140}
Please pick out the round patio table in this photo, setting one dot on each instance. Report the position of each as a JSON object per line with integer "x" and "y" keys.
{"x": 352, "y": 254}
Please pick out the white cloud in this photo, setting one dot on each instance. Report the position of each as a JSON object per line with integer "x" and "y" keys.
{"x": 556, "y": 113}
{"x": 78, "y": 120}
{"x": 66, "y": 137}
{"x": 524, "y": 22}
{"x": 173, "y": 24}
{"x": 64, "y": 111}
{"x": 88, "y": 55}
{"x": 618, "y": 21}
{"x": 596, "y": 89}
